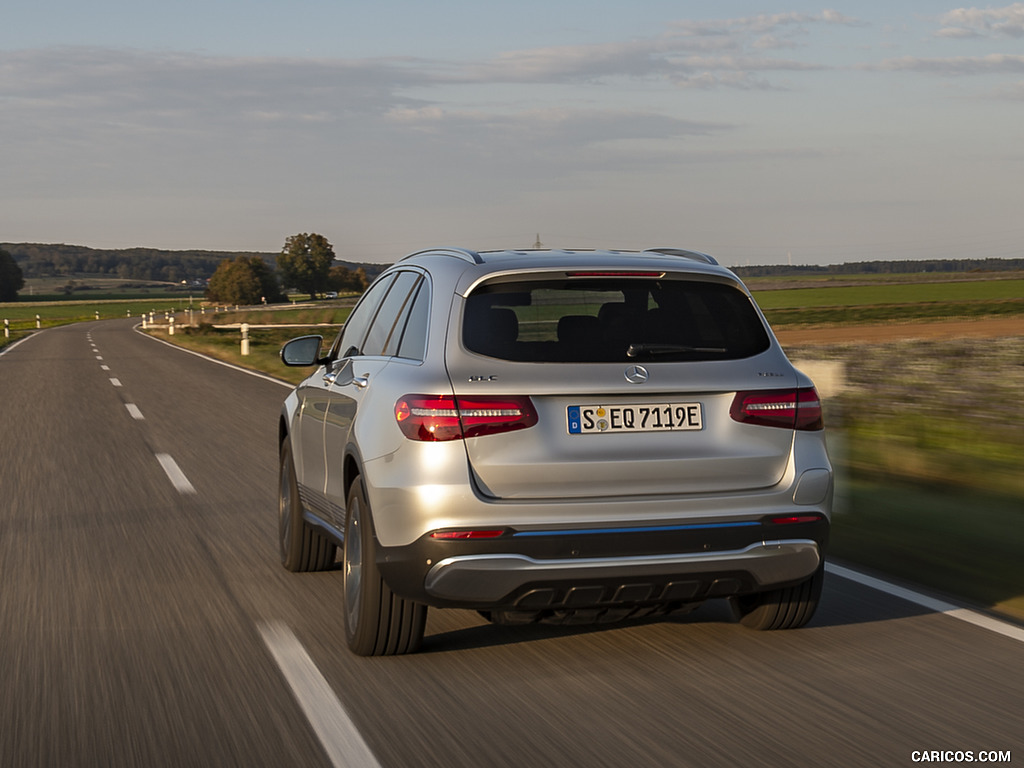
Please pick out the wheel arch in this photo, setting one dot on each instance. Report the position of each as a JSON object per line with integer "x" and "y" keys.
{"x": 353, "y": 467}
{"x": 282, "y": 430}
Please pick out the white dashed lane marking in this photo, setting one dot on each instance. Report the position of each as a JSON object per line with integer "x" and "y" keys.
{"x": 174, "y": 473}
{"x": 169, "y": 465}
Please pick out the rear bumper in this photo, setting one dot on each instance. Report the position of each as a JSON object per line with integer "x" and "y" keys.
{"x": 488, "y": 579}
{"x": 565, "y": 569}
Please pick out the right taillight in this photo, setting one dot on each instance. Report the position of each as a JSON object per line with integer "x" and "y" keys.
{"x": 445, "y": 417}
{"x": 785, "y": 408}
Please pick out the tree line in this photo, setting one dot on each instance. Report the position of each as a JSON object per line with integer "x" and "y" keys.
{"x": 884, "y": 267}
{"x": 38, "y": 260}
{"x": 306, "y": 263}
{"x": 11, "y": 278}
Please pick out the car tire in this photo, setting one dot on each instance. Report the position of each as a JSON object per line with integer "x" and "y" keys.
{"x": 302, "y": 548}
{"x": 785, "y": 608}
{"x": 377, "y": 622}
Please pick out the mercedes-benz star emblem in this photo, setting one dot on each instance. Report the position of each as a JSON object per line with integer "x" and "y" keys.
{"x": 636, "y": 374}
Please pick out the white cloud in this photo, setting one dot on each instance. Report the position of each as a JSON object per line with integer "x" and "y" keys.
{"x": 995, "y": 63}
{"x": 1013, "y": 92}
{"x": 124, "y": 82}
{"x": 983, "y": 22}
{"x": 777, "y": 23}
{"x": 715, "y": 53}
{"x": 552, "y": 128}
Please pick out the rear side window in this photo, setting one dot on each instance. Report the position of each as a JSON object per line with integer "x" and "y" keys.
{"x": 617, "y": 319}
{"x": 413, "y": 344}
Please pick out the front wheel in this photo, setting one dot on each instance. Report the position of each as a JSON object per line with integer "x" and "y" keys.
{"x": 785, "y": 608}
{"x": 377, "y": 622}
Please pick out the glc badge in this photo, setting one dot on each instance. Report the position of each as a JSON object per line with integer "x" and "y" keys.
{"x": 636, "y": 374}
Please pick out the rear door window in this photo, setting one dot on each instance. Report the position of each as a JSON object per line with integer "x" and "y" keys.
{"x": 612, "y": 319}
{"x": 386, "y": 330}
{"x": 349, "y": 341}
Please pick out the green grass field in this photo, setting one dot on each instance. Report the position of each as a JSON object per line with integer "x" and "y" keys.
{"x": 964, "y": 542}
{"x": 264, "y": 346}
{"x": 895, "y": 294}
{"x": 21, "y": 316}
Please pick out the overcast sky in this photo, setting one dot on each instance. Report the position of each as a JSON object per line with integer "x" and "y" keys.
{"x": 866, "y": 130}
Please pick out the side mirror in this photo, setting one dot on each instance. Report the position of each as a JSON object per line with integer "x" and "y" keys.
{"x": 302, "y": 351}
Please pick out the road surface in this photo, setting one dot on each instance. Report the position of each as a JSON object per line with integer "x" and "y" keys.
{"x": 147, "y": 622}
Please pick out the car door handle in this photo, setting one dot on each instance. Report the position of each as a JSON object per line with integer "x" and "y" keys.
{"x": 329, "y": 378}
{"x": 361, "y": 381}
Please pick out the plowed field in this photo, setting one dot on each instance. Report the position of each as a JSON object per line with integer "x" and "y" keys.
{"x": 987, "y": 328}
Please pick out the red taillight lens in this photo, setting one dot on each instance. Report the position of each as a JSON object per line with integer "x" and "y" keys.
{"x": 786, "y": 408}
{"x": 462, "y": 535}
{"x": 444, "y": 417}
{"x": 795, "y": 519}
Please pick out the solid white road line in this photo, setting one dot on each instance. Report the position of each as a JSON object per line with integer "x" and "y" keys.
{"x": 341, "y": 740}
{"x": 133, "y": 409}
{"x": 258, "y": 375}
{"x": 931, "y": 603}
{"x": 13, "y": 344}
{"x": 174, "y": 473}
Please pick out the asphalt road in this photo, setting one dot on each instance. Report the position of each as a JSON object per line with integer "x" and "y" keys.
{"x": 146, "y": 620}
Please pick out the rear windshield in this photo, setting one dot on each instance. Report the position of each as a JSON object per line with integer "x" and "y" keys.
{"x": 601, "y": 320}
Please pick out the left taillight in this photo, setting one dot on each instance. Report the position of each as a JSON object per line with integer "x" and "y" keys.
{"x": 784, "y": 408}
{"x": 446, "y": 417}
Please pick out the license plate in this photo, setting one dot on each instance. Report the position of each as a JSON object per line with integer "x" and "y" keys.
{"x": 649, "y": 417}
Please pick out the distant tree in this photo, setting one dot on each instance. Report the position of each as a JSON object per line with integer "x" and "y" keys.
{"x": 305, "y": 263}
{"x": 345, "y": 280}
{"x": 11, "y": 278}
{"x": 244, "y": 280}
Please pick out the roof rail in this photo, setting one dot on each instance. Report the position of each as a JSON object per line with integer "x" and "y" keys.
{"x": 693, "y": 255}
{"x": 459, "y": 253}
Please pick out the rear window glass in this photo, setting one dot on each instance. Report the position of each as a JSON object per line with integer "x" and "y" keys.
{"x": 598, "y": 320}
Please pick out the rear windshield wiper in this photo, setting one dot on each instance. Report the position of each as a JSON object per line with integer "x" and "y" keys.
{"x": 635, "y": 350}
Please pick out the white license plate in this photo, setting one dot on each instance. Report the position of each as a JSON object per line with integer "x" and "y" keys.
{"x": 649, "y": 417}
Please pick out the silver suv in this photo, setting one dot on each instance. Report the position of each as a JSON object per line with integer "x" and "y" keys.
{"x": 561, "y": 436}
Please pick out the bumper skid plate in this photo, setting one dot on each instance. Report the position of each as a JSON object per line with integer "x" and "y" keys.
{"x": 528, "y": 583}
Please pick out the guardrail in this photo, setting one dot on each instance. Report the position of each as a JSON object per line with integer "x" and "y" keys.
{"x": 149, "y": 323}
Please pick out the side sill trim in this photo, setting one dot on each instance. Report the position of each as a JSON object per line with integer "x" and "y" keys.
{"x": 328, "y": 530}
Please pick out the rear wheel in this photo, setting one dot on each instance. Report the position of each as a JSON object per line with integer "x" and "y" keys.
{"x": 302, "y": 548}
{"x": 377, "y": 622}
{"x": 785, "y": 608}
